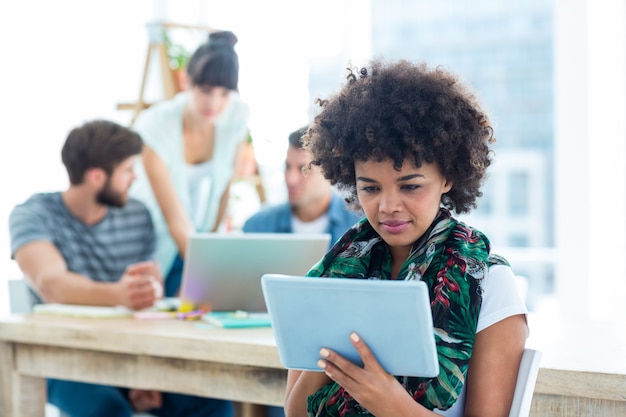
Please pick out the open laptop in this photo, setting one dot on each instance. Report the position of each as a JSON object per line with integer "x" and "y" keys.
{"x": 222, "y": 272}
{"x": 392, "y": 317}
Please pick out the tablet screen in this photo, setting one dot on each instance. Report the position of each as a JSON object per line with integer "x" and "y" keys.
{"x": 392, "y": 317}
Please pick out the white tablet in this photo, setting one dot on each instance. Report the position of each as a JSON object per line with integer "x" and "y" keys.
{"x": 392, "y": 317}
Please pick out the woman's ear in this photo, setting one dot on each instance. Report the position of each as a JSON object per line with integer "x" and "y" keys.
{"x": 447, "y": 186}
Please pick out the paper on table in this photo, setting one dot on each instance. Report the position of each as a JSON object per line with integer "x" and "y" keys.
{"x": 76, "y": 310}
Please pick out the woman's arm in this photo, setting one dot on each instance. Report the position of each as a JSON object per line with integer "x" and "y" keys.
{"x": 491, "y": 379}
{"x": 178, "y": 223}
{"x": 221, "y": 210}
{"x": 225, "y": 198}
{"x": 493, "y": 368}
{"x": 301, "y": 384}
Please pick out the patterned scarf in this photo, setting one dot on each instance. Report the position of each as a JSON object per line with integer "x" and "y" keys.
{"x": 452, "y": 259}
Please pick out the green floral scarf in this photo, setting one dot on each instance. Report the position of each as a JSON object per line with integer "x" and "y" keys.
{"x": 452, "y": 259}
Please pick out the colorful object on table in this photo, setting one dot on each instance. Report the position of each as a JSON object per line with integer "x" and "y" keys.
{"x": 186, "y": 306}
{"x": 190, "y": 315}
{"x": 237, "y": 319}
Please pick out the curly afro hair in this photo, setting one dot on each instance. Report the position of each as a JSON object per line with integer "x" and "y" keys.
{"x": 401, "y": 111}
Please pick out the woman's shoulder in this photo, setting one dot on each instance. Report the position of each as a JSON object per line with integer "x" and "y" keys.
{"x": 162, "y": 122}
{"x": 166, "y": 111}
{"x": 503, "y": 295}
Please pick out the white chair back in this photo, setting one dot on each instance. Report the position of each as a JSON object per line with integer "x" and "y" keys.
{"x": 525, "y": 386}
{"x": 20, "y": 299}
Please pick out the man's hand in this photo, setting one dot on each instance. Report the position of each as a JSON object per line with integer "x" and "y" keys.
{"x": 143, "y": 401}
{"x": 145, "y": 268}
{"x": 141, "y": 285}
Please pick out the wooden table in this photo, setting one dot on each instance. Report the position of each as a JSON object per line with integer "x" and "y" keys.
{"x": 168, "y": 355}
{"x": 583, "y": 369}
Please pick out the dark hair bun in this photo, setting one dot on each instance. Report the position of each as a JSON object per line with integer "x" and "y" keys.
{"x": 223, "y": 38}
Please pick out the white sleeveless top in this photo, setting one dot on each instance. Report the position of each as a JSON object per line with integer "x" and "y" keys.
{"x": 199, "y": 186}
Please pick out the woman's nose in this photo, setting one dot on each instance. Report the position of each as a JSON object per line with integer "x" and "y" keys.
{"x": 389, "y": 202}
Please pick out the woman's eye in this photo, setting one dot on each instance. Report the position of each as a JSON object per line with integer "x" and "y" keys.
{"x": 410, "y": 187}
{"x": 368, "y": 189}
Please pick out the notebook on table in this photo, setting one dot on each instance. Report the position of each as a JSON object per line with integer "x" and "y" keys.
{"x": 74, "y": 310}
{"x": 237, "y": 319}
{"x": 222, "y": 272}
{"x": 392, "y": 317}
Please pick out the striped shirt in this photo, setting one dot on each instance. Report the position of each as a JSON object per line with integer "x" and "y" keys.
{"x": 100, "y": 251}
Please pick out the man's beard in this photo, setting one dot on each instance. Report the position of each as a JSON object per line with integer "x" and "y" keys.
{"x": 109, "y": 197}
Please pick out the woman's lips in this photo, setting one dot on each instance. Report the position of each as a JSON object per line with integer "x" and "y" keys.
{"x": 395, "y": 226}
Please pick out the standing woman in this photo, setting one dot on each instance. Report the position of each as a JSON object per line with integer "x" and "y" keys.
{"x": 191, "y": 145}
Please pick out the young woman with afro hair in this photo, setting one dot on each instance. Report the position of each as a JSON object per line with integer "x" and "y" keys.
{"x": 410, "y": 146}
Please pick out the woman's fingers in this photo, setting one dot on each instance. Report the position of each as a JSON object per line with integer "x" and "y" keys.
{"x": 366, "y": 383}
{"x": 367, "y": 356}
{"x": 336, "y": 365}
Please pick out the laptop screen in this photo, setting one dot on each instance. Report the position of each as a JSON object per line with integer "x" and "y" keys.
{"x": 222, "y": 272}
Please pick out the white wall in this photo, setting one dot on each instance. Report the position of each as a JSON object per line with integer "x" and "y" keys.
{"x": 590, "y": 108}
{"x": 63, "y": 62}
{"x": 607, "y": 160}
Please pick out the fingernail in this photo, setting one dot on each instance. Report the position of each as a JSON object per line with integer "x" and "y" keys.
{"x": 324, "y": 352}
{"x": 321, "y": 364}
{"x": 354, "y": 337}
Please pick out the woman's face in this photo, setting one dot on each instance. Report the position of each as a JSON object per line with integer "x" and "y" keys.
{"x": 209, "y": 102}
{"x": 400, "y": 205}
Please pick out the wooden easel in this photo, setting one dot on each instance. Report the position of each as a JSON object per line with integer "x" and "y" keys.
{"x": 157, "y": 45}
